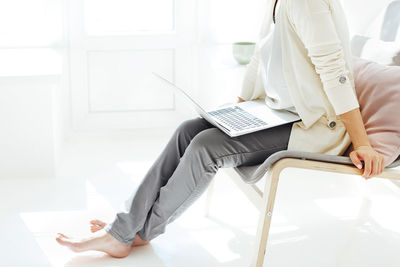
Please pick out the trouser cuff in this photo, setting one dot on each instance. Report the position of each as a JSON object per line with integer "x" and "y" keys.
{"x": 109, "y": 229}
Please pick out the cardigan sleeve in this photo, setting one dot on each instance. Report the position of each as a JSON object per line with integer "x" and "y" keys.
{"x": 312, "y": 20}
{"x": 252, "y": 87}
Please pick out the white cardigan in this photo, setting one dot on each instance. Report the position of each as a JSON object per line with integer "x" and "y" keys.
{"x": 318, "y": 71}
{"x": 270, "y": 60}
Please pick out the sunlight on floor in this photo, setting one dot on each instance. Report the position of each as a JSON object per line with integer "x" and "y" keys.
{"x": 344, "y": 208}
{"x": 218, "y": 247}
{"x": 385, "y": 211}
{"x": 45, "y": 225}
{"x": 134, "y": 168}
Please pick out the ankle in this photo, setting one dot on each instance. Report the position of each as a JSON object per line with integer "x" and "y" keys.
{"x": 140, "y": 239}
{"x": 77, "y": 247}
{"x": 112, "y": 240}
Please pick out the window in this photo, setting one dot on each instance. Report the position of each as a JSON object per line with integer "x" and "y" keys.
{"x": 109, "y": 17}
{"x": 30, "y": 23}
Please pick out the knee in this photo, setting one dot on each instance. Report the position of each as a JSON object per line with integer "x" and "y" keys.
{"x": 188, "y": 125}
{"x": 205, "y": 145}
{"x": 202, "y": 140}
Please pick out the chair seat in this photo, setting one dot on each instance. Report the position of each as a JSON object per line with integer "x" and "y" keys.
{"x": 252, "y": 174}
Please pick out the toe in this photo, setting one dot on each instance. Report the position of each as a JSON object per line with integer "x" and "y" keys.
{"x": 61, "y": 240}
{"x": 98, "y": 222}
{"x": 95, "y": 228}
{"x": 72, "y": 245}
{"x": 62, "y": 235}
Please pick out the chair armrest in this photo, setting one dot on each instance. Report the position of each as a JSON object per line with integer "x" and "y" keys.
{"x": 258, "y": 173}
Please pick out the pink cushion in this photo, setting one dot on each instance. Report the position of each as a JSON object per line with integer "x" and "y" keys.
{"x": 378, "y": 92}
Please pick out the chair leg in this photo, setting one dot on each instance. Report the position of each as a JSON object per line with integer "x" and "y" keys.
{"x": 264, "y": 223}
{"x": 210, "y": 191}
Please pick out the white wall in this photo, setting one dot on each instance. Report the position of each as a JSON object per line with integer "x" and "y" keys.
{"x": 220, "y": 23}
{"x": 28, "y": 141}
{"x": 33, "y": 105}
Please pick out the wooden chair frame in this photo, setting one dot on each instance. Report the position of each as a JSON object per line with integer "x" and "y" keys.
{"x": 264, "y": 201}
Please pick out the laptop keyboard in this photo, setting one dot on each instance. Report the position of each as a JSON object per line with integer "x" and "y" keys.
{"x": 237, "y": 118}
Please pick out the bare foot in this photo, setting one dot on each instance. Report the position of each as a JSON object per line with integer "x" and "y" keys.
{"x": 139, "y": 242}
{"x": 105, "y": 243}
{"x": 97, "y": 225}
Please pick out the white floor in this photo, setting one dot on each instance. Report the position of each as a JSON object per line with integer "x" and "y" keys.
{"x": 319, "y": 219}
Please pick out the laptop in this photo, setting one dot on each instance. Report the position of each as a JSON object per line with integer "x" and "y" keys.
{"x": 239, "y": 118}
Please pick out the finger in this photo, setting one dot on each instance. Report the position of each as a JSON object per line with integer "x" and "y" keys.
{"x": 379, "y": 163}
{"x": 355, "y": 159}
{"x": 382, "y": 164}
{"x": 367, "y": 167}
{"x": 374, "y": 166}
{"x": 371, "y": 172}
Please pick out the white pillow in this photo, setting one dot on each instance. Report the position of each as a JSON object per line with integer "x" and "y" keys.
{"x": 369, "y": 45}
{"x": 370, "y": 22}
{"x": 374, "y": 29}
{"x": 379, "y": 51}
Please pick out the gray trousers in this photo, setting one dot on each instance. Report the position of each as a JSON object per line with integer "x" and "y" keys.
{"x": 184, "y": 169}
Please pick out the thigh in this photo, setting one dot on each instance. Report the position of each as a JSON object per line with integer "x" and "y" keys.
{"x": 184, "y": 134}
{"x": 249, "y": 149}
{"x": 191, "y": 127}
